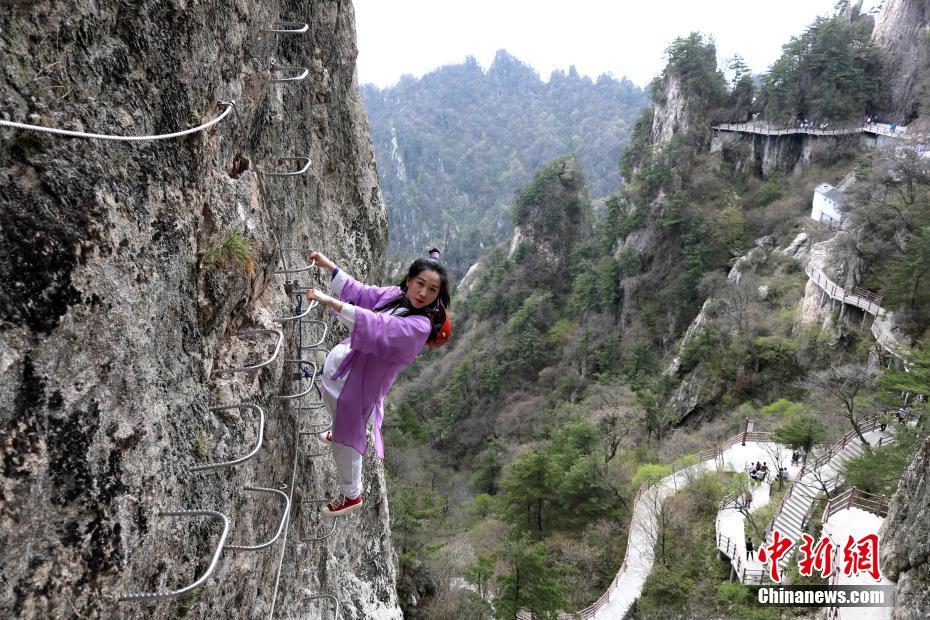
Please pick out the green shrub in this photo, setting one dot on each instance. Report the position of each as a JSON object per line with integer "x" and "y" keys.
{"x": 235, "y": 252}
{"x": 650, "y": 471}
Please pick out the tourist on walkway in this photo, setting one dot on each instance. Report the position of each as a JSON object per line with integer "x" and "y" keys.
{"x": 749, "y": 549}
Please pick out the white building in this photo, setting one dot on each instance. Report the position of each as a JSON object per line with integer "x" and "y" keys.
{"x": 827, "y": 203}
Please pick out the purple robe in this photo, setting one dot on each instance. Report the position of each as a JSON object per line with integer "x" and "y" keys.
{"x": 381, "y": 346}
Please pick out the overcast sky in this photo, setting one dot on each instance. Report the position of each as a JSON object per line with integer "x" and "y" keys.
{"x": 621, "y": 37}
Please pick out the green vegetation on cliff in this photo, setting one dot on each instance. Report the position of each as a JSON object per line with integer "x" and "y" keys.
{"x": 832, "y": 72}
{"x": 573, "y": 376}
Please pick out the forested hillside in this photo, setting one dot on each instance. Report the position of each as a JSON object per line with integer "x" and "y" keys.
{"x": 454, "y": 145}
{"x": 593, "y": 353}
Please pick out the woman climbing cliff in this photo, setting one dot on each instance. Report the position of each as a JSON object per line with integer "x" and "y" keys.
{"x": 388, "y": 327}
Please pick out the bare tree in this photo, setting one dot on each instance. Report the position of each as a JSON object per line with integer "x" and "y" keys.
{"x": 825, "y": 476}
{"x": 740, "y": 489}
{"x": 654, "y": 521}
{"x": 846, "y": 384}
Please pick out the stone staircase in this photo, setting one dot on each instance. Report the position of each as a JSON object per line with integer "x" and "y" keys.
{"x": 795, "y": 510}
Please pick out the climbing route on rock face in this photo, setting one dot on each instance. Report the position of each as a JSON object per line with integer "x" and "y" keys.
{"x": 305, "y": 370}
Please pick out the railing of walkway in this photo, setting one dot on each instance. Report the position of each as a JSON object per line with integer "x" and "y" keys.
{"x": 744, "y": 574}
{"x": 859, "y": 297}
{"x": 863, "y": 299}
{"x": 854, "y": 497}
{"x": 886, "y": 340}
{"x": 766, "y": 129}
{"x": 876, "y": 504}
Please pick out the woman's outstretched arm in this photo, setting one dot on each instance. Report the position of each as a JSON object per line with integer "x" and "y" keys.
{"x": 346, "y": 287}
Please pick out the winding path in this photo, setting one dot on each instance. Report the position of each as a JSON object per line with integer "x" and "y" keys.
{"x": 628, "y": 583}
{"x": 868, "y": 302}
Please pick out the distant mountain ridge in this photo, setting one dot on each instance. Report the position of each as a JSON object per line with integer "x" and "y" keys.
{"x": 453, "y": 146}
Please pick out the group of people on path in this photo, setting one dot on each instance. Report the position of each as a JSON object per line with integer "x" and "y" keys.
{"x": 757, "y": 471}
{"x": 870, "y": 120}
{"x": 806, "y": 124}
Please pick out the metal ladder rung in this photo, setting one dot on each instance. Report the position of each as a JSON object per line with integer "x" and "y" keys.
{"x": 331, "y": 530}
{"x": 313, "y": 304}
{"x": 282, "y": 160}
{"x": 329, "y": 596}
{"x": 258, "y": 443}
{"x": 315, "y": 345}
{"x": 279, "y": 27}
{"x": 154, "y": 596}
{"x": 326, "y": 426}
{"x": 300, "y": 363}
{"x": 253, "y": 332}
{"x": 303, "y": 252}
{"x": 297, "y": 78}
{"x": 284, "y": 515}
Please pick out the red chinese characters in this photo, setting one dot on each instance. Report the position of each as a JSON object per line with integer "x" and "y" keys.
{"x": 772, "y": 553}
{"x": 819, "y": 556}
{"x": 861, "y": 556}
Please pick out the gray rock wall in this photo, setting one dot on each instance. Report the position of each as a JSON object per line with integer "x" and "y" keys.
{"x": 905, "y": 539}
{"x": 112, "y": 318}
{"x": 901, "y": 30}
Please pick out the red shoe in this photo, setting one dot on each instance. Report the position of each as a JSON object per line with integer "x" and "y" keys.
{"x": 342, "y": 505}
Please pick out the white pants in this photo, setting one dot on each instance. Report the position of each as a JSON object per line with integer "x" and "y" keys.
{"x": 348, "y": 470}
{"x": 348, "y": 460}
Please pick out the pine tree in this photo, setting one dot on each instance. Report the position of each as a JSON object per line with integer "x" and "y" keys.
{"x": 530, "y": 582}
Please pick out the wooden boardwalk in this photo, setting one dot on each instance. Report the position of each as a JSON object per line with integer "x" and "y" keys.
{"x": 868, "y": 302}
{"x": 765, "y": 129}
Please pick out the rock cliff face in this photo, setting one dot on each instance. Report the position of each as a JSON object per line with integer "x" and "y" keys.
{"x": 902, "y": 30}
{"x": 670, "y": 115}
{"x": 905, "y": 538}
{"x": 767, "y": 155}
{"x": 119, "y": 300}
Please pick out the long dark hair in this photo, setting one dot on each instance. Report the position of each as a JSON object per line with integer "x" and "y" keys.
{"x": 436, "y": 311}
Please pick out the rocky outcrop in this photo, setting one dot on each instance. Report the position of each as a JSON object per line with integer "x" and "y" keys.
{"x": 901, "y": 31}
{"x": 554, "y": 213}
{"x": 905, "y": 539}
{"x": 122, "y": 294}
{"x": 670, "y": 115}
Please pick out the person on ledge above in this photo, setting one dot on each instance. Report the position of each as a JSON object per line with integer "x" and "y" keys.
{"x": 388, "y": 327}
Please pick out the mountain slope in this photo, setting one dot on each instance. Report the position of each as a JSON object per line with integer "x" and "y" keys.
{"x": 454, "y": 145}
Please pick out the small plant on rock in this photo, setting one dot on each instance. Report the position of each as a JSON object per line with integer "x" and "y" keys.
{"x": 235, "y": 252}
